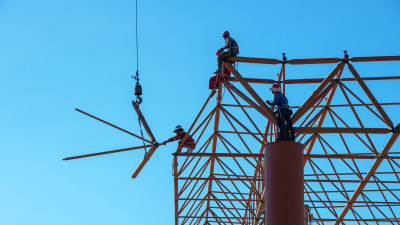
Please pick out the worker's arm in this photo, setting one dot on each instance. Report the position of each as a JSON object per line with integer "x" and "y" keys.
{"x": 172, "y": 139}
{"x": 228, "y": 43}
{"x": 276, "y": 100}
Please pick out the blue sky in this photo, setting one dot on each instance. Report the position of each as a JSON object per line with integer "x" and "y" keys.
{"x": 60, "y": 55}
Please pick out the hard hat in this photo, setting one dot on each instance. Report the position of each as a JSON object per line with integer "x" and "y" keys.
{"x": 178, "y": 128}
{"x": 225, "y": 34}
{"x": 276, "y": 88}
{"x": 218, "y": 51}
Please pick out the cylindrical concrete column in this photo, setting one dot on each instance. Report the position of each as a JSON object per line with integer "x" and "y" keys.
{"x": 284, "y": 183}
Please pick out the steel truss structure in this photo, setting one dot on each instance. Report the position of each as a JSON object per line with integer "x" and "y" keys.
{"x": 348, "y": 179}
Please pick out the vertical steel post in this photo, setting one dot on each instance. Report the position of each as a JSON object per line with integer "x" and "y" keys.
{"x": 284, "y": 183}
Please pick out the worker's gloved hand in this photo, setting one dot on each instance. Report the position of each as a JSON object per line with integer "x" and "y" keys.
{"x": 221, "y": 49}
{"x": 268, "y": 102}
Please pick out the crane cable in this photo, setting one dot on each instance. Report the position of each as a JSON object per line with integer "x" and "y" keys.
{"x": 138, "y": 87}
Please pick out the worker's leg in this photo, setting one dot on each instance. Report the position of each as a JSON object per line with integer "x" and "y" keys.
{"x": 220, "y": 61}
{"x": 223, "y": 57}
{"x": 281, "y": 125}
{"x": 288, "y": 120}
{"x": 189, "y": 149}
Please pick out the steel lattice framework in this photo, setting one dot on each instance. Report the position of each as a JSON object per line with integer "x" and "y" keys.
{"x": 349, "y": 178}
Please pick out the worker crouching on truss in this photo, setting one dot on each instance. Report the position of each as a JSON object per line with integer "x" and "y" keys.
{"x": 283, "y": 113}
{"x": 232, "y": 50}
{"x": 180, "y": 134}
{"x": 214, "y": 80}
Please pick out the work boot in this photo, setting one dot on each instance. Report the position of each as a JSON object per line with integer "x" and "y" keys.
{"x": 217, "y": 71}
{"x": 281, "y": 139}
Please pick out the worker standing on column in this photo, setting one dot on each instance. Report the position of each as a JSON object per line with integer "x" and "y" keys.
{"x": 232, "y": 50}
{"x": 180, "y": 134}
{"x": 214, "y": 80}
{"x": 283, "y": 113}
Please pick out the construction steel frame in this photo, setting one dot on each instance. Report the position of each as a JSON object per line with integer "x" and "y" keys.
{"x": 348, "y": 179}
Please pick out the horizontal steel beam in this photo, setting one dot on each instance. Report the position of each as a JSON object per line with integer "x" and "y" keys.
{"x": 309, "y": 80}
{"x": 312, "y": 156}
{"x": 319, "y": 130}
{"x": 375, "y": 58}
{"x": 107, "y": 152}
{"x": 313, "y": 61}
{"x": 220, "y": 179}
{"x": 254, "y": 60}
{"x": 320, "y": 106}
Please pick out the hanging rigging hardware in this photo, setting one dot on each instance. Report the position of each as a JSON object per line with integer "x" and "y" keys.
{"x": 138, "y": 88}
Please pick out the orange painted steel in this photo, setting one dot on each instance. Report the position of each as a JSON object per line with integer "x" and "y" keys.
{"x": 222, "y": 181}
{"x": 313, "y": 61}
{"x": 143, "y": 121}
{"x": 112, "y": 125}
{"x": 247, "y": 99}
{"x": 370, "y": 95}
{"x": 332, "y": 130}
{"x": 367, "y": 177}
{"x": 261, "y": 103}
{"x": 284, "y": 178}
{"x": 143, "y": 162}
{"x": 254, "y": 60}
{"x": 107, "y": 152}
{"x": 307, "y": 104}
{"x": 308, "y": 81}
{"x": 374, "y": 58}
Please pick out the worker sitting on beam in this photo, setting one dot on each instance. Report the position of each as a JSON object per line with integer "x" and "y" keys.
{"x": 214, "y": 80}
{"x": 232, "y": 50}
{"x": 283, "y": 113}
{"x": 180, "y": 134}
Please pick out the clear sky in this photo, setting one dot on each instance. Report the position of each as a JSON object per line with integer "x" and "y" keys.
{"x": 59, "y": 55}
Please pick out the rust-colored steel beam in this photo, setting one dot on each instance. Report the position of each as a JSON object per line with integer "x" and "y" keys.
{"x": 176, "y": 191}
{"x": 261, "y": 103}
{"x": 246, "y": 99}
{"x": 195, "y": 121}
{"x": 367, "y": 177}
{"x": 312, "y": 130}
{"x": 249, "y": 203}
{"x": 331, "y": 86}
{"x": 221, "y": 178}
{"x": 311, "y": 156}
{"x": 254, "y": 60}
{"x": 240, "y": 155}
{"x": 214, "y": 141}
{"x": 107, "y": 152}
{"x": 219, "y": 199}
{"x": 308, "y": 80}
{"x": 254, "y": 80}
{"x": 370, "y": 95}
{"x": 356, "y": 220}
{"x": 307, "y": 104}
{"x": 320, "y": 106}
{"x": 313, "y": 61}
{"x": 375, "y": 58}
{"x": 143, "y": 162}
{"x": 112, "y": 125}
{"x": 143, "y": 120}
{"x": 358, "y": 202}
{"x": 350, "y": 181}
